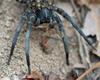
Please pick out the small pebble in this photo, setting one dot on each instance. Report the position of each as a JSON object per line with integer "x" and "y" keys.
{"x": 5, "y": 78}
{"x": 14, "y": 77}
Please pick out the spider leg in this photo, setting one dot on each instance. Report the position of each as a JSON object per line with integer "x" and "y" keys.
{"x": 18, "y": 30}
{"x": 63, "y": 36}
{"x": 66, "y": 16}
{"x": 27, "y": 42}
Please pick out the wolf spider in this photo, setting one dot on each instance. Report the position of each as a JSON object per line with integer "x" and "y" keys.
{"x": 36, "y": 13}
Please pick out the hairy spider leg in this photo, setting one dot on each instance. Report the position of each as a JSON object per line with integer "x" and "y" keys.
{"x": 27, "y": 41}
{"x": 18, "y": 30}
{"x": 63, "y": 36}
{"x": 66, "y": 16}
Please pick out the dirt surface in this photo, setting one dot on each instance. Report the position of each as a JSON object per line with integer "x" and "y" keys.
{"x": 55, "y": 61}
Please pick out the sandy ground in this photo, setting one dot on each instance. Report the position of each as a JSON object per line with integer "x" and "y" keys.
{"x": 10, "y": 12}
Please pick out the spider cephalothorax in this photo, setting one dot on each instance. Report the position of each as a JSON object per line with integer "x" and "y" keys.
{"x": 38, "y": 12}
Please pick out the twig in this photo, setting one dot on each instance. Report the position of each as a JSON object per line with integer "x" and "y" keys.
{"x": 81, "y": 52}
{"x": 76, "y": 11}
{"x": 97, "y": 65}
{"x": 87, "y": 56}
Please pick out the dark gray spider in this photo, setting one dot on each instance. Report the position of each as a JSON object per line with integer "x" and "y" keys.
{"x": 38, "y": 12}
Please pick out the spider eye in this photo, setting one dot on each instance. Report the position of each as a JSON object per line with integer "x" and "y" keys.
{"x": 50, "y": 2}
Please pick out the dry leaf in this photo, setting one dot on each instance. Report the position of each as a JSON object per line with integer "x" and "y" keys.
{"x": 34, "y": 76}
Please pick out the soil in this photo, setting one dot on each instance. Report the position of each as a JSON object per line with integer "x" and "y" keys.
{"x": 54, "y": 61}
